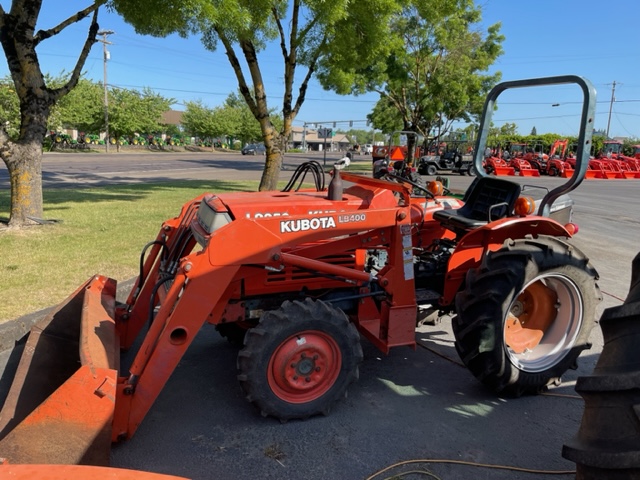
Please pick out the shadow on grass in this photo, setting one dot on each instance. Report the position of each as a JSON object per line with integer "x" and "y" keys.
{"x": 128, "y": 192}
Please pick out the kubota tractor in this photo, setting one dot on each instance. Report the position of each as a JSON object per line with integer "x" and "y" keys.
{"x": 557, "y": 166}
{"x": 298, "y": 277}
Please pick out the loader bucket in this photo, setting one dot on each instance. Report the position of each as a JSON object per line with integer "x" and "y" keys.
{"x": 529, "y": 172}
{"x": 505, "y": 171}
{"x": 67, "y": 472}
{"x": 61, "y": 402}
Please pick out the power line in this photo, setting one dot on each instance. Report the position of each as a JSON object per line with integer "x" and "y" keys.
{"x": 227, "y": 93}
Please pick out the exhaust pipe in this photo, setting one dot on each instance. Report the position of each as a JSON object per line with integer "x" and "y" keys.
{"x": 607, "y": 445}
{"x": 60, "y": 406}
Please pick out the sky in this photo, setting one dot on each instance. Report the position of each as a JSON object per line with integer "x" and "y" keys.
{"x": 594, "y": 39}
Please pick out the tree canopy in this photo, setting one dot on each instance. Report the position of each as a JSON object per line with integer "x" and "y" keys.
{"x": 130, "y": 111}
{"x": 81, "y": 108}
{"x": 133, "y": 111}
{"x": 308, "y": 32}
{"x": 436, "y": 72}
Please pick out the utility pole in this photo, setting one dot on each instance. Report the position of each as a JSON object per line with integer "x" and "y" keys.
{"x": 106, "y": 56}
{"x": 304, "y": 137}
{"x": 613, "y": 99}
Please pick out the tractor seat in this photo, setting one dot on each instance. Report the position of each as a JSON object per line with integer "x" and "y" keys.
{"x": 487, "y": 199}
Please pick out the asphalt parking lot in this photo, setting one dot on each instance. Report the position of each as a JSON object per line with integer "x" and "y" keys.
{"x": 409, "y": 405}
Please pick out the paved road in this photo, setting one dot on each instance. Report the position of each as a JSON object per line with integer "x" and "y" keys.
{"x": 69, "y": 169}
{"x": 408, "y": 405}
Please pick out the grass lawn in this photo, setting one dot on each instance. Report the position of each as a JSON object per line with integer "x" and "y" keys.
{"x": 100, "y": 230}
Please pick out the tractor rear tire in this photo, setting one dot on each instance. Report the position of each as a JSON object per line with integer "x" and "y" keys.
{"x": 299, "y": 360}
{"x": 525, "y": 314}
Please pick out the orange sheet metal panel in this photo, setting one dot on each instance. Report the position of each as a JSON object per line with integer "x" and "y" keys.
{"x": 68, "y": 472}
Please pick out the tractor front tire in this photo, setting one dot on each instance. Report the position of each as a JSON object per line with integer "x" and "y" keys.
{"x": 299, "y": 360}
{"x": 525, "y": 314}
{"x": 432, "y": 170}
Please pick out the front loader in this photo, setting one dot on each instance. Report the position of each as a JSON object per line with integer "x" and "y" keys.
{"x": 296, "y": 278}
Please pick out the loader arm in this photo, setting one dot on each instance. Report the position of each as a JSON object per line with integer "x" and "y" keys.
{"x": 196, "y": 293}
{"x": 187, "y": 277}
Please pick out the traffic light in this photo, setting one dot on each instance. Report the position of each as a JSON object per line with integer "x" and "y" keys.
{"x": 351, "y": 123}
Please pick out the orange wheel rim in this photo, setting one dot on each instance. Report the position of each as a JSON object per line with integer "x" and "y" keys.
{"x": 304, "y": 367}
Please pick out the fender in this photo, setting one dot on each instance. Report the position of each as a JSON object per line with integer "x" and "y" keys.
{"x": 476, "y": 244}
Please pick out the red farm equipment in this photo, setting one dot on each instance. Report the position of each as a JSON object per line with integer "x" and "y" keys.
{"x": 558, "y": 164}
{"x": 323, "y": 267}
{"x": 497, "y": 166}
{"x": 523, "y": 168}
{"x": 624, "y": 165}
{"x": 534, "y": 156}
{"x": 398, "y": 152}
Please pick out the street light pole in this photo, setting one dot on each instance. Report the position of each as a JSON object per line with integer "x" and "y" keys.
{"x": 105, "y": 42}
{"x": 613, "y": 98}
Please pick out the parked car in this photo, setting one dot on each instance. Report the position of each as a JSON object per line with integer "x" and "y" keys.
{"x": 254, "y": 149}
{"x": 367, "y": 149}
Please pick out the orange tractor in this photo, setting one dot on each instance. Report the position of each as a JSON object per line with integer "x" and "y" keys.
{"x": 624, "y": 165}
{"x": 527, "y": 157}
{"x": 557, "y": 165}
{"x": 297, "y": 277}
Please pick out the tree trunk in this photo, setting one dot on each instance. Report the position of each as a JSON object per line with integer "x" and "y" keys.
{"x": 25, "y": 173}
{"x": 271, "y": 172}
{"x": 411, "y": 148}
{"x": 274, "y": 144}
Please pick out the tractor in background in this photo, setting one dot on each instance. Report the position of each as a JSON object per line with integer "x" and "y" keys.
{"x": 447, "y": 158}
{"x": 557, "y": 164}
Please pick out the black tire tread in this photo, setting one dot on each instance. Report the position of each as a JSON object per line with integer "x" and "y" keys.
{"x": 489, "y": 289}
{"x": 277, "y": 325}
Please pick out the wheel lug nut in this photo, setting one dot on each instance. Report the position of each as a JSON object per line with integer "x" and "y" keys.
{"x": 293, "y": 365}
{"x": 317, "y": 369}
{"x": 315, "y": 357}
{"x": 295, "y": 377}
{"x": 307, "y": 379}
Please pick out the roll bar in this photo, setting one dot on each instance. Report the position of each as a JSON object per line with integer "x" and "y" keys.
{"x": 584, "y": 138}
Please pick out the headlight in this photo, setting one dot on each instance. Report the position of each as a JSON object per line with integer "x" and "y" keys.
{"x": 212, "y": 215}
